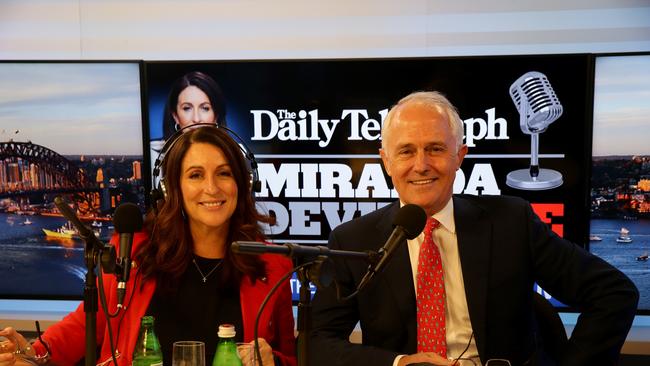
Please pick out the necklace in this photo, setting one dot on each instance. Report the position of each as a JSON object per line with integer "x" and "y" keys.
{"x": 205, "y": 277}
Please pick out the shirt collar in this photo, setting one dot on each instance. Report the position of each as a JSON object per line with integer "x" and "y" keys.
{"x": 445, "y": 216}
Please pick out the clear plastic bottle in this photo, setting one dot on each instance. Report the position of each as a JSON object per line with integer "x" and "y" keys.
{"x": 147, "y": 350}
{"x": 226, "y": 354}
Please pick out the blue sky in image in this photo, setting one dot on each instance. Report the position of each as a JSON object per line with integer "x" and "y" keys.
{"x": 72, "y": 108}
{"x": 622, "y": 106}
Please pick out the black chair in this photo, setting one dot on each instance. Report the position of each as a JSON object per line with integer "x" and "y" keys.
{"x": 550, "y": 328}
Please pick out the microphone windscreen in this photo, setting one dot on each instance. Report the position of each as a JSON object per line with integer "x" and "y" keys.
{"x": 128, "y": 218}
{"x": 412, "y": 219}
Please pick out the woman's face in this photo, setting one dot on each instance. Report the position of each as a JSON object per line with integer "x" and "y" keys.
{"x": 209, "y": 188}
{"x": 193, "y": 107}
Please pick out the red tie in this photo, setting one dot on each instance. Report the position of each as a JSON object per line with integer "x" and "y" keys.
{"x": 431, "y": 295}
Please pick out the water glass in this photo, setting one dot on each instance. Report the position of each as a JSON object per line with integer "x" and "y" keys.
{"x": 188, "y": 353}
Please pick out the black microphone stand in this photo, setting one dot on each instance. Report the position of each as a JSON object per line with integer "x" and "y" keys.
{"x": 95, "y": 252}
{"x": 304, "y": 306}
{"x": 91, "y": 307}
{"x": 313, "y": 270}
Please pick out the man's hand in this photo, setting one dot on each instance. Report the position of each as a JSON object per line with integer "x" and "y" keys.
{"x": 428, "y": 357}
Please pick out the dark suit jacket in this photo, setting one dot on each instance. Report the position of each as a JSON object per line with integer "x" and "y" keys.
{"x": 504, "y": 248}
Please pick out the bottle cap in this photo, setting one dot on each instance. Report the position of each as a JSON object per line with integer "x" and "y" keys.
{"x": 226, "y": 331}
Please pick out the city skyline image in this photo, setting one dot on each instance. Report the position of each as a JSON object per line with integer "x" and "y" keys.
{"x": 68, "y": 127}
{"x": 620, "y": 173}
{"x": 70, "y": 130}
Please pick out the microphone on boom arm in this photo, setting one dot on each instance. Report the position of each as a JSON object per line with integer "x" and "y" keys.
{"x": 127, "y": 221}
{"x": 107, "y": 258}
{"x": 409, "y": 223}
{"x": 84, "y": 232}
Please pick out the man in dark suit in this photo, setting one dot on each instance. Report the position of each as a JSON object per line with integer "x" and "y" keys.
{"x": 492, "y": 249}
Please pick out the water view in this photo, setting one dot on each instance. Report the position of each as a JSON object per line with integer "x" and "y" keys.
{"x": 36, "y": 263}
{"x": 628, "y": 255}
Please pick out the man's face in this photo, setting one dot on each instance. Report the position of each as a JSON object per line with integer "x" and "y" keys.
{"x": 421, "y": 155}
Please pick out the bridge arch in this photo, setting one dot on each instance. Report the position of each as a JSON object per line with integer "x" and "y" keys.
{"x": 61, "y": 173}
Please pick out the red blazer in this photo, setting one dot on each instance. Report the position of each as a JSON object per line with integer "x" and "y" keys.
{"x": 66, "y": 338}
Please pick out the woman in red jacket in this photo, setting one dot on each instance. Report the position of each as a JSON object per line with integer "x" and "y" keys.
{"x": 185, "y": 274}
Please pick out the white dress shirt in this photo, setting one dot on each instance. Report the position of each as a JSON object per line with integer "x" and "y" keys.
{"x": 457, "y": 322}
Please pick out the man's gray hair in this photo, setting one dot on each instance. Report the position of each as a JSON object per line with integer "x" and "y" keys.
{"x": 434, "y": 99}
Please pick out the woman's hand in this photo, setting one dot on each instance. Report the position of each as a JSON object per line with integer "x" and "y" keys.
{"x": 246, "y": 353}
{"x": 13, "y": 344}
{"x": 7, "y": 357}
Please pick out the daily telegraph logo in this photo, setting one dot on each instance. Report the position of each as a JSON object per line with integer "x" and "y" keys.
{"x": 307, "y": 126}
{"x": 286, "y": 125}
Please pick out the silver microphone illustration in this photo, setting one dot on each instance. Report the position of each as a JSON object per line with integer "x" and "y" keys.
{"x": 538, "y": 107}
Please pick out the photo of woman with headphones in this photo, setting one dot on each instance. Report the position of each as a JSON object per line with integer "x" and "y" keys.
{"x": 193, "y": 98}
{"x": 184, "y": 272}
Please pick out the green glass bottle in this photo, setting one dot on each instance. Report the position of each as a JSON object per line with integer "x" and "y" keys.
{"x": 147, "y": 350}
{"x": 226, "y": 348}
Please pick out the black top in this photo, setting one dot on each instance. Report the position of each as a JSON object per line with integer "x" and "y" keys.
{"x": 195, "y": 311}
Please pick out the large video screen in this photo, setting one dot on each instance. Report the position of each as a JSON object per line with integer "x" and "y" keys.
{"x": 314, "y": 127}
{"x": 71, "y": 129}
{"x": 620, "y": 179}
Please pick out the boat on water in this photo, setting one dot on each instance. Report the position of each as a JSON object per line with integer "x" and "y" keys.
{"x": 593, "y": 237}
{"x": 96, "y": 224}
{"x": 26, "y": 222}
{"x": 624, "y": 236}
{"x": 643, "y": 257}
{"x": 64, "y": 232}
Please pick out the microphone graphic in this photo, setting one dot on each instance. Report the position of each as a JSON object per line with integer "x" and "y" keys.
{"x": 538, "y": 107}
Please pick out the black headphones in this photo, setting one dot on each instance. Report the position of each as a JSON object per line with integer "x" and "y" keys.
{"x": 159, "y": 191}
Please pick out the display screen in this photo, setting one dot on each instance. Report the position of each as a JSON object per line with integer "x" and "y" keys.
{"x": 314, "y": 127}
{"x": 70, "y": 129}
{"x": 620, "y": 177}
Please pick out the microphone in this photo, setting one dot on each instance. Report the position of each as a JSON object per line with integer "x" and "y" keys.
{"x": 322, "y": 273}
{"x": 128, "y": 220}
{"x": 294, "y": 250}
{"x": 538, "y": 107}
{"x": 409, "y": 223}
{"x": 536, "y": 102}
{"x": 84, "y": 233}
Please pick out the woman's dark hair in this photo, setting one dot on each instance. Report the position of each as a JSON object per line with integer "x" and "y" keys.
{"x": 201, "y": 81}
{"x": 170, "y": 249}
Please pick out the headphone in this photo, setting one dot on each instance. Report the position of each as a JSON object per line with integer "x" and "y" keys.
{"x": 159, "y": 191}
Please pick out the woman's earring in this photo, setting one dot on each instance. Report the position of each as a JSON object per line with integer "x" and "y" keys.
{"x": 177, "y": 126}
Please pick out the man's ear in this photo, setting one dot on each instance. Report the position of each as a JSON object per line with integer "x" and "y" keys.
{"x": 385, "y": 160}
{"x": 460, "y": 155}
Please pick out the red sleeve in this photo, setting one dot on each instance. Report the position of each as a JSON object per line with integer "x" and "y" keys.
{"x": 285, "y": 350}
{"x": 66, "y": 339}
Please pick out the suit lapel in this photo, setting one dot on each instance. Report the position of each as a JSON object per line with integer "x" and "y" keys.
{"x": 398, "y": 275}
{"x": 473, "y": 230}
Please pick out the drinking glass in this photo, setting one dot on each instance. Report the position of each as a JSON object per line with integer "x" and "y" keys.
{"x": 188, "y": 353}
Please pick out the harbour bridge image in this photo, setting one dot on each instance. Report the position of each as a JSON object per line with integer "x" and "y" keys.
{"x": 28, "y": 169}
